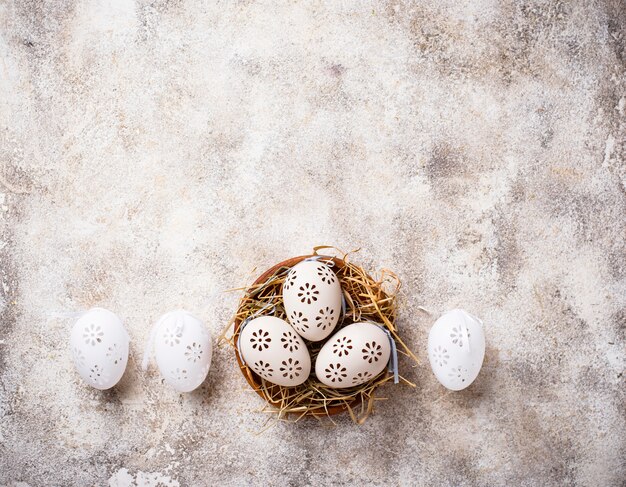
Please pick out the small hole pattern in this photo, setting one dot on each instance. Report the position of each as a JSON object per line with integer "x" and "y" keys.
{"x": 283, "y": 359}
{"x": 456, "y": 349}
{"x": 313, "y": 300}
{"x": 352, "y": 356}
{"x": 99, "y": 348}
{"x": 182, "y": 349}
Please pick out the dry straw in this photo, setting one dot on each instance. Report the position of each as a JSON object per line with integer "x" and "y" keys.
{"x": 367, "y": 299}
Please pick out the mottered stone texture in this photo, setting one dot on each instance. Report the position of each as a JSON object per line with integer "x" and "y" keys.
{"x": 155, "y": 153}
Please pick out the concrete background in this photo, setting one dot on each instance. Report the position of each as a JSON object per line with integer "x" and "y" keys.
{"x": 154, "y": 153}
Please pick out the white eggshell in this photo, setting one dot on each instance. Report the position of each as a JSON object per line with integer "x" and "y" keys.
{"x": 456, "y": 348}
{"x": 182, "y": 348}
{"x": 353, "y": 355}
{"x": 273, "y": 350}
{"x": 312, "y": 298}
{"x": 99, "y": 345}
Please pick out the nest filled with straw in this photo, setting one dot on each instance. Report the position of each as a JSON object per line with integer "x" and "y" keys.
{"x": 366, "y": 298}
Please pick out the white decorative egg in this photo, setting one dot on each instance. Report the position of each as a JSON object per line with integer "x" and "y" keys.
{"x": 456, "y": 348}
{"x": 99, "y": 344}
{"x": 353, "y": 355}
{"x": 273, "y": 350}
{"x": 312, "y": 298}
{"x": 182, "y": 348}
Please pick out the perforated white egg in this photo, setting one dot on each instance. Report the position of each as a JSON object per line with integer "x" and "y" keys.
{"x": 312, "y": 298}
{"x": 353, "y": 355}
{"x": 273, "y": 350}
{"x": 182, "y": 348}
{"x": 456, "y": 349}
{"x": 99, "y": 344}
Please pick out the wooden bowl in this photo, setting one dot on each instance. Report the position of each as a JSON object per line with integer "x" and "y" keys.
{"x": 269, "y": 390}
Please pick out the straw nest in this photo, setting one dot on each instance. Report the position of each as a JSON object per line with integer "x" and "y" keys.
{"x": 367, "y": 299}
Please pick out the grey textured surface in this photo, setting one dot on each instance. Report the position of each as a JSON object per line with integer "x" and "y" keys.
{"x": 154, "y": 153}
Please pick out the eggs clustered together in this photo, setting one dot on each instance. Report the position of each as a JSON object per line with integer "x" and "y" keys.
{"x": 276, "y": 350}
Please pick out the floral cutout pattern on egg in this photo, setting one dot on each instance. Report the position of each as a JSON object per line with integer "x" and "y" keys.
{"x": 283, "y": 357}
{"x": 335, "y": 372}
{"x": 194, "y": 352}
{"x": 264, "y": 369}
{"x": 342, "y": 346}
{"x": 361, "y": 378}
{"x": 354, "y": 355}
{"x": 93, "y": 334}
{"x": 326, "y": 275}
{"x": 372, "y": 352}
{"x": 325, "y": 318}
{"x": 290, "y": 368}
{"x": 299, "y": 322}
{"x": 440, "y": 355}
{"x": 312, "y": 299}
{"x": 182, "y": 350}
{"x": 99, "y": 348}
{"x": 308, "y": 293}
{"x": 456, "y": 349}
{"x": 290, "y": 341}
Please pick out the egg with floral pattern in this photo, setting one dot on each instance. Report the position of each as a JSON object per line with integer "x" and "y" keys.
{"x": 99, "y": 344}
{"x": 274, "y": 351}
{"x": 354, "y": 355}
{"x": 312, "y": 299}
{"x": 456, "y": 349}
{"x": 182, "y": 348}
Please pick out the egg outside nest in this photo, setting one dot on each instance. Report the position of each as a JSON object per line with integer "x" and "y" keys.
{"x": 366, "y": 300}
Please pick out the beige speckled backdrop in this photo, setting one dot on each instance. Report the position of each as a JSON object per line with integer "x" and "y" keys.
{"x": 152, "y": 153}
